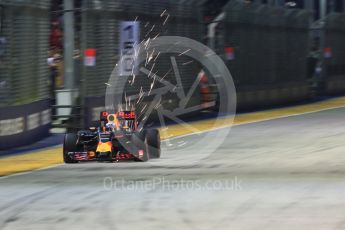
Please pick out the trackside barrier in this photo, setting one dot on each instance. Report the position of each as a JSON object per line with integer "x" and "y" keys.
{"x": 334, "y": 51}
{"x": 101, "y": 30}
{"x": 24, "y": 124}
{"x": 269, "y": 46}
{"x": 24, "y": 74}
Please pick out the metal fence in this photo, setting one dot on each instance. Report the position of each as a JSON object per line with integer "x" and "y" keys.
{"x": 100, "y": 30}
{"x": 270, "y": 48}
{"x": 24, "y": 39}
{"x": 24, "y": 100}
{"x": 334, "y": 49}
{"x": 335, "y": 39}
{"x": 271, "y": 44}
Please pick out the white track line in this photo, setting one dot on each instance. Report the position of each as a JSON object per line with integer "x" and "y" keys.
{"x": 256, "y": 121}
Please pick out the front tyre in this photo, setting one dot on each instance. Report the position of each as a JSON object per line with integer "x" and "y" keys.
{"x": 154, "y": 143}
{"x": 70, "y": 145}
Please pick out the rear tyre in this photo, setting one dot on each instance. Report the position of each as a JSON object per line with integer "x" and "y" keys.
{"x": 154, "y": 143}
{"x": 70, "y": 145}
{"x": 139, "y": 141}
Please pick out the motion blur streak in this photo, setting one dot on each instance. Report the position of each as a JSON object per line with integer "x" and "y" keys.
{"x": 44, "y": 158}
{"x": 287, "y": 180}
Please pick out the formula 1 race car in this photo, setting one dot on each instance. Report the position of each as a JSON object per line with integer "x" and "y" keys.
{"x": 116, "y": 138}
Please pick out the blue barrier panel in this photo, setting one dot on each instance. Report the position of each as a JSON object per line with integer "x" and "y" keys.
{"x": 24, "y": 124}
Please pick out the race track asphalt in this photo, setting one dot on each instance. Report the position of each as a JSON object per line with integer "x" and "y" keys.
{"x": 286, "y": 173}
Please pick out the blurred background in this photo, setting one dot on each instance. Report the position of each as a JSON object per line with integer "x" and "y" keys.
{"x": 56, "y": 56}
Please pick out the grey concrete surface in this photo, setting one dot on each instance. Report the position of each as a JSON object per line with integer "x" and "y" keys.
{"x": 280, "y": 174}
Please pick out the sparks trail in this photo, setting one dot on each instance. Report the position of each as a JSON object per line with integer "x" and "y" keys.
{"x": 153, "y": 82}
{"x": 136, "y": 52}
{"x": 141, "y": 114}
{"x": 133, "y": 69}
{"x": 138, "y": 108}
{"x": 119, "y": 106}
{"x": 151, "y": 56}
{"x": 165, "y": 75}
{"x": 147, "y": 43}
{"x": 141, "y": 94}
{"x": 126, "y": 100}
{"x": 150, "y": 30}
{"x": 143, "y": 108}
{"x": 188, "y": 62}
{"x": 133, "y": 78}
{"x": 151, "y": 69}
{"x": 147, "y": 58}
{"x": 156, "y": 56}
{"x": 166, "y": 19}
{"x": 184, "y": 52}
{"x": 155, "y": 36}
{"x": 163, "y": 12}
